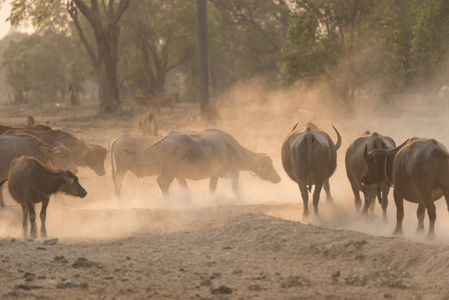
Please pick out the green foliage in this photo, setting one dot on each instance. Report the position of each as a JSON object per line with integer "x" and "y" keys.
{"x": 42, "y": 66}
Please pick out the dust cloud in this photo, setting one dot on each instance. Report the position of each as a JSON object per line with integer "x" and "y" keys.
{"x": 259, "y": 116}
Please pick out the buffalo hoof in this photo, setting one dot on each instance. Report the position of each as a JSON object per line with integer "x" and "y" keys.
{"x": 430, "y": 237}
{"x": 397, "y": 232}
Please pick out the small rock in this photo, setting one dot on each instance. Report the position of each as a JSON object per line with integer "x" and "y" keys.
{"x": 221, "y": 290}
{"x": 29, "y": 276}
{"x": 67, "y": 284}
{"x": 336, "y": 274}
{"x": 82, "y": 262}
{"x": 227, "y": 248}
{"x": 254, "y": 288}
{"x": 60, "y": 259}
{"x": 128, "y": 258}
{"x": 51, "y": 241}
{"x": 41, "y": 248}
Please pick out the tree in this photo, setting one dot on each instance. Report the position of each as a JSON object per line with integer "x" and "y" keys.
{"x": 41, "y": 65}
{"x": 159, "y": 36}
{"x": 326, "y": 39}
{"x": 103, "y": 20}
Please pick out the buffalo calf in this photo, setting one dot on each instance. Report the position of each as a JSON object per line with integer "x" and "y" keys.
{"x": 31, "y": 182}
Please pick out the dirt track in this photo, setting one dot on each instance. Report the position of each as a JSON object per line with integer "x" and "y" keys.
{"x": 218, "y": 249}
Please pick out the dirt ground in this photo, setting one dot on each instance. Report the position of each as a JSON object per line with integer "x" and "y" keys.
{"x": 222, "y": 248}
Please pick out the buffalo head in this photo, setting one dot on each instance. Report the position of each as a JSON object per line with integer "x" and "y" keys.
{"x": 266, "y": 170}
{"x": 71, "y": 185}
{"x": 60, "y": 157}
{"x": 379, "y": 164}
{"x": 94, "y": 156}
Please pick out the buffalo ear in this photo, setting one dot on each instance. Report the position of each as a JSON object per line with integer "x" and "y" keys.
{"x": 68, "y": 180}
{"x": 47, "y": 151}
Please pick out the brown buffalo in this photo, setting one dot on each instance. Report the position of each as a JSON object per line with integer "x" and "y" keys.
{"x": 12, "y": 147}
{"x": 309, "y": 157}
{"x": 356, "y": 166}
{"x": 210, "y": 153}
{"x": 84, "y": 154}
{"x": 419, "y": 172}
{"x": 30, "y": 182}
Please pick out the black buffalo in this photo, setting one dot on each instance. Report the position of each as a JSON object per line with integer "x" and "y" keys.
{"x": 12, "y": 147}
{"x": 419, "y": 171}
{"x": 309, "y": 157}
{"x": 31, "y": 182}
{"x": 356, "y": 166}
{"x": 84, "y": 154}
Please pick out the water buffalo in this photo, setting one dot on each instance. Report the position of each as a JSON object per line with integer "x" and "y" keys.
{"x": 148, "y": 124}
{"x": 12, "y": 147}
{"x": 142, "y": 164}
{"x": 84, "y": 154}
{"x": 210, "y": 153}
{"x": 31, "y": 182}
{"x": 38, "y": 127}
{"x": 419, "y": 171}
{"x": 309, "y": 156}
{"x": 356, "y": 166}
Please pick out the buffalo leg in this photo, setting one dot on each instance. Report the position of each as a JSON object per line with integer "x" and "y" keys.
{"x": 305, "y": 198}
{"x": 316, "y": 196}
{"x": 420, "y": 214}
{"x": 327, "y": 189}
{"x": 118, "y": 180}
{"x": 235, "y": 184}
{"x": 24, "y": 222}
{"x": 32, "y": 213}
{"x": 212, "y": 185}
{"x": 366, "y": 195}
{"x": 2, "y": 204}
{"x": 431, "y": 212}
{"x": 399, "y": 213}
{"x": 43, "y": 216}
{"x": 357, "y": 200}
{"x": 164, "y": 180}
{"x": 385, "y": 190}
{"x": 183, "y": 183}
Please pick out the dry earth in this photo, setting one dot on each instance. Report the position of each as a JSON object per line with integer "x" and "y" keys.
{"x": 221, "y": 248}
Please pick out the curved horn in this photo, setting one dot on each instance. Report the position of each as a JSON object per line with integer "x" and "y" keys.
{"x": 395, "y": 150}
{"x": 338, "y": 144}
{"x": 87, "y": 145}
{"x": 109, "y": 148}
{"x": 296, "y": 125}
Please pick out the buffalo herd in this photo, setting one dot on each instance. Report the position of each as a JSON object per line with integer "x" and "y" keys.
{"x": 39, "y": 161}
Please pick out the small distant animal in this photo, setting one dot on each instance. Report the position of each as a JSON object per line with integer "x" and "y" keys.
{"x": 38, "y": 127}
{"x": 356, "y": 166}
{"x": 11, "y": 147}
{"x": 30, "y": 120}
{"x": 419, "y": 171}
{"x": 31, "y": 182}
{"x": 309, "y": 157}
{"x": 210, "y": 153}
{"x": 148, "y": 124}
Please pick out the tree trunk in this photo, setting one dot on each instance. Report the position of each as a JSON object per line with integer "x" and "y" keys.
{"x": 205, "y": 102}
{"x": 108, "y": 91}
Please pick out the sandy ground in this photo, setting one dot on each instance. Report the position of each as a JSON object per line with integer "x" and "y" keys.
{"x": 223, "y": 248}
